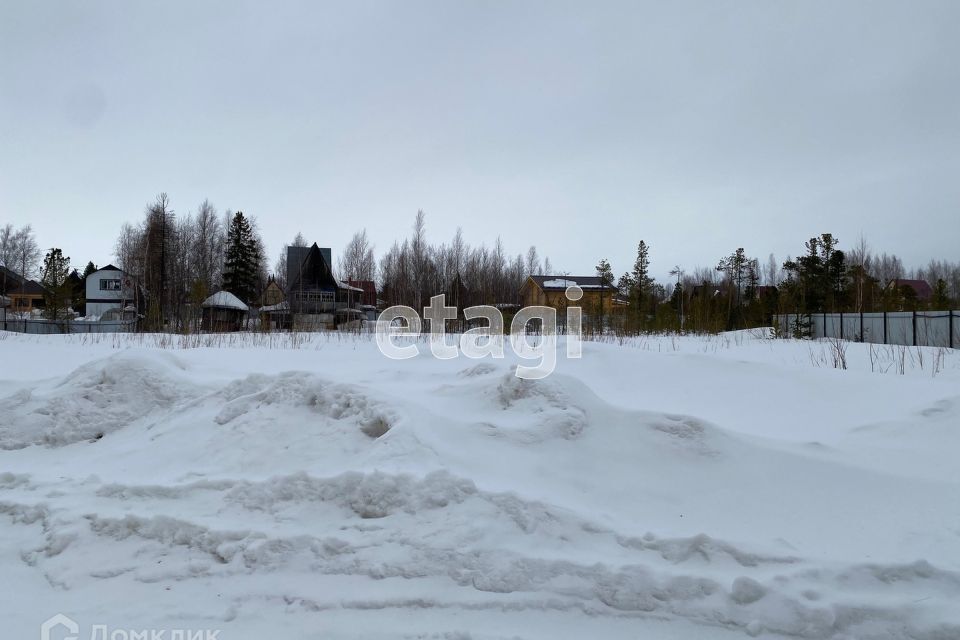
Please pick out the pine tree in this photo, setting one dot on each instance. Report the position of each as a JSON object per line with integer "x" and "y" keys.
{"x": 642, "y": 282}
{"x": 625, "y": 285}
{"x": 56, "y": 268}
{"x": 241, "y": 265}
{"x": 605, "y": 273}
{"x": 821, "y": 275}
{"x": 735, "y": 268}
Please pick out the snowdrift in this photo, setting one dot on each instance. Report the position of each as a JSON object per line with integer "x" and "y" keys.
{"x": 323, "y": 491}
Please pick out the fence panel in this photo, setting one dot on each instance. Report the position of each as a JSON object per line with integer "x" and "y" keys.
{"x": 51, "y": 327}
{"x": 923, "y": 328}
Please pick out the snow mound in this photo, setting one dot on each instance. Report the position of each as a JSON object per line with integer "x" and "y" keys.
{"x": 96, "y": 399}
{"x": 544, "y": 409}
{"x": 250, "y": 397}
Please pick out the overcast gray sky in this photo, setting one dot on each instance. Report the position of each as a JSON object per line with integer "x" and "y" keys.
{"x": 579, "y": 127}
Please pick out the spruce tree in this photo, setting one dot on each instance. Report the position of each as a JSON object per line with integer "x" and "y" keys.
{"x": 241, "y": 264}
{"x": 56, "y": 268}
{"x": 605, "y": 273}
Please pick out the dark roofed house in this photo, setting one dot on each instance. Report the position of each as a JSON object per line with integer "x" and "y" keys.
{"x": 25, "y": 295}
{"x": 921, "y": 288}
{"x": 765, "y": 291}
{"x": 560, "y": 283}
{"x": 369, "y": 288}
{"x": 368, "y": 297}
{"x": 315, "y": 298}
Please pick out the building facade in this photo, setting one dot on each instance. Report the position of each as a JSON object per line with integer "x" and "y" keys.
{"x": 24, "y": 294}
{"x": 598, "y": 299}
{"x": 109, "y": 291}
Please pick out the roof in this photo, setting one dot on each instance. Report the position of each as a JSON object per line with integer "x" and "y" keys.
{"x": 297, "y": 260}
{"x": 224, "y": 300}
{"x": 110, "y": 269}
{"x": 349, "y": 287}
{"x": 280, "y": 306}
{"x": 920, "y": 287}
{"x": 16, "y": 284}
{"x": 309, "y": 267}
{"x": 368, "y": 286}
{"x": 9, "y": 275}
{"x": 560, "y": 283}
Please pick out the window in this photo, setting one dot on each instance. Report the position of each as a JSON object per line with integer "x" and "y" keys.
{"x": 110, "y": 285}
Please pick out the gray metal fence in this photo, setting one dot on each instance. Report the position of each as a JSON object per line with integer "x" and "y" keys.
{"x": 44, "y": 327}
{"x": 910, "y": 328}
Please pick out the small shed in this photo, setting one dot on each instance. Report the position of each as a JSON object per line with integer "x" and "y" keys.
{"x": 223, "y": 311}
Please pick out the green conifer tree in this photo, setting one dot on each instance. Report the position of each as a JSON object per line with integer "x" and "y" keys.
{"x": 56, "y": 269}
{"x": 241, "y": 262}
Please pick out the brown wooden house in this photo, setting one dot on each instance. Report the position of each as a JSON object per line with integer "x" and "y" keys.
{"x": 25, "y": 295}
{"x": 550, "y": 291}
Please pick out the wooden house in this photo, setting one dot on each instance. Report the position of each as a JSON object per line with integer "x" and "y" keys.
{"x": 316, "y": 299}
{"x": 550, "y": 291}
{"x": 272, "y": 294}
{"x": 25, "y": 295}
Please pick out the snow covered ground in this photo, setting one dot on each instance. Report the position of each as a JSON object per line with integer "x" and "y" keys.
{"x": 308, "y": 487}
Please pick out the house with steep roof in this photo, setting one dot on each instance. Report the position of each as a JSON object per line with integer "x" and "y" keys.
{"x": 272, "y": 294}
{"x": 315, "y": 298}
{"x": 24, "y": 294}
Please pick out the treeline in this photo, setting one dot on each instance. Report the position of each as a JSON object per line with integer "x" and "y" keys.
{"x": 412, "y": 271}
{"x": 181, "y": 259}
{"x": 741, "y": 292}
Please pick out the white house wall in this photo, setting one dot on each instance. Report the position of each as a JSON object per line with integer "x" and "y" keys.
{"x": 107, "y": 289}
